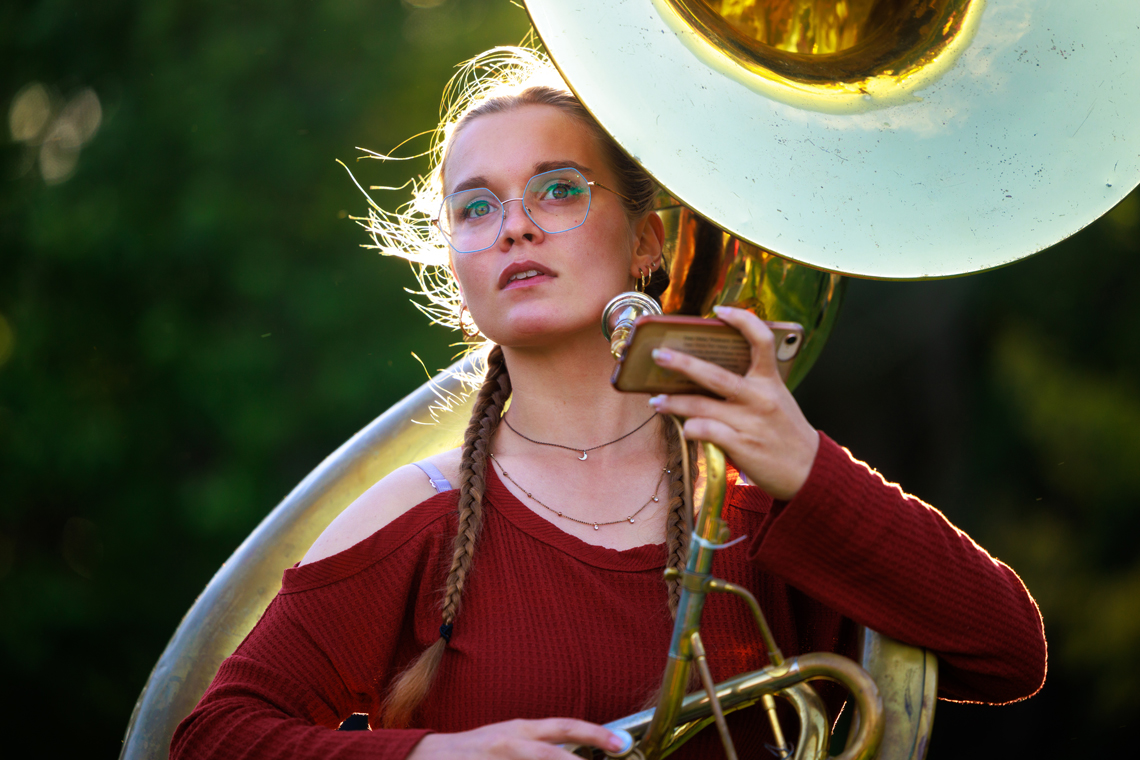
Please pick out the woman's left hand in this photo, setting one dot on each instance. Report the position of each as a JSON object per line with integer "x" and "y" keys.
{"x": 758, "y": 423}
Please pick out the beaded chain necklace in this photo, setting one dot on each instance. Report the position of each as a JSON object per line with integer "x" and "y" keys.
{"x": 652, "y": 499}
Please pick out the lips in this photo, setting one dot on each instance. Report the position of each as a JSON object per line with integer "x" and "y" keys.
{"x": 522, "y": 271}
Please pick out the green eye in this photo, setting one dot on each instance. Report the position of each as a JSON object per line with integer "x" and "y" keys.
{"x": 476, "y": 209}
{"x": 560, "y": 190}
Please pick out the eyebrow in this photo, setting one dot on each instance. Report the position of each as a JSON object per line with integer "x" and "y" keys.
{"x": 470, "y": 183}
{"x": 542, "y": 166}
{"x": 548, "y": 166}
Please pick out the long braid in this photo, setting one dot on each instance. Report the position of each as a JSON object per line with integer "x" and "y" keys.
{"x": 676, "y": 537}
{"x": 412, "y": 685}
{"x": 678, "y": 528}
{"x": 677, "y": 520}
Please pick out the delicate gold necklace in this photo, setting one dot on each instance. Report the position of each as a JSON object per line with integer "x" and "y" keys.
{"x": 584, "y": 456}
{"x": 652, "y": 499}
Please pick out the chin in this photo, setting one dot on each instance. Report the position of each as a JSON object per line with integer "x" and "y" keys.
{"x": 536, "y": 331}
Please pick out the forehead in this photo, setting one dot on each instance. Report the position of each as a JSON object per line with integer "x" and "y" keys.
{"x": 506, "y": 147}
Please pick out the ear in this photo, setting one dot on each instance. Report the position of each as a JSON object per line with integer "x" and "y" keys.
{"x": 649, "y": 241}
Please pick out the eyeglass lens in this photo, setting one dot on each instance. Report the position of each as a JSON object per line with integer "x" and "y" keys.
{"x": 557, "y": 201}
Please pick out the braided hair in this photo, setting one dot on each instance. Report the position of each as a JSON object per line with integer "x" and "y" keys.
{"x": 395, "y": 234}
{"x": 411, "y": 686}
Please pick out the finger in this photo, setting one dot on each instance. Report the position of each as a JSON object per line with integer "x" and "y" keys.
{"x": 758, "y": 334}
{"x": 705, "y": 374}
{"x": 713, "y": 431}
{"x": 573, "y": 731}
{"x": 688, "y": 405}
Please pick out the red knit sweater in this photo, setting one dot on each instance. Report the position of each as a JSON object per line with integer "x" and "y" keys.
{"x": 553, "y": 626}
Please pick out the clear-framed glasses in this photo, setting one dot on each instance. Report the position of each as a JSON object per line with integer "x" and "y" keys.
{"x": 556, "y": 201}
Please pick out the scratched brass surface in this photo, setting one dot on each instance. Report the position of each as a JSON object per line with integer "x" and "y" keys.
{"x": 827, "y": 55}
{"x": 908, "y": 683}
{"x": 1024, "y": 137}
{"x": 708, "y": 267}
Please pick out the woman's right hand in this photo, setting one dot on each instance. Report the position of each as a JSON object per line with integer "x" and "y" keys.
{"x": 516, "y": 740}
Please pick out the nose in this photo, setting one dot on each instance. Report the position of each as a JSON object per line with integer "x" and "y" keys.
{"x": 518, "y": 226}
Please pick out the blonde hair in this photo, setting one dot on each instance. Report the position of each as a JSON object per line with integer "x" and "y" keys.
{"x": 497, "y": 81}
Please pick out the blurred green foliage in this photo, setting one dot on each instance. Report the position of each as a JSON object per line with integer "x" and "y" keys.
{"x": 188, "y": 326}
{"x": 187, "y": 322}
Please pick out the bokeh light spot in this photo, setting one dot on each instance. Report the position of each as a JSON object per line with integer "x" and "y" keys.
{"x": 55, "y": 135}
{"x": 84, "y": 113}
{"x": 29, "y": 113}
{"x": 60, "y": 152}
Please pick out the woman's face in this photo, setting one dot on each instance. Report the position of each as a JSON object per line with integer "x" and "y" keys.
{"x": 578, "y": 270}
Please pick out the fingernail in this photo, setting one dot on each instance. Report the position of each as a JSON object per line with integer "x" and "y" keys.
{"x": 658, "y": 400}
{"x": 718, "y": 310}
{"x": 662, "y": 355}
{"x": 620, "y": 742}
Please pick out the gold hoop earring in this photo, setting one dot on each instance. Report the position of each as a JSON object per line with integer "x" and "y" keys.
{"x": 467, "y": 324}
{"x": 642, "y": 280}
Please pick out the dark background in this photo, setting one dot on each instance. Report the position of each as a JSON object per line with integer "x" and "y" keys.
{"x": 188, "y": 326}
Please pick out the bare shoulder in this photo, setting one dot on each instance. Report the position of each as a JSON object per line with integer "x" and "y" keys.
{"x": 377, "y": 507}
{"x": 448, "y": 464}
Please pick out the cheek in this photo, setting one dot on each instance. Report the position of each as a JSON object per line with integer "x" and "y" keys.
{"x": 468, "y": 273}
{"x": 610, "y": 249}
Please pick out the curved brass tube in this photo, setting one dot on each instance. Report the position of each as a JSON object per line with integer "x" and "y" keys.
{"x": 788, "y": 681}
{"x": 701, "y": 548}
{"x": 677, "y": 717}
{"x": 238, "y": 594}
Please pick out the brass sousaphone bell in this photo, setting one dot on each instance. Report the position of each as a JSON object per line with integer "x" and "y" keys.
{"x": 802, "y": 140}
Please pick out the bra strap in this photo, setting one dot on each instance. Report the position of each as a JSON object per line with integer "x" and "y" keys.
{"x": 439, "y": 482}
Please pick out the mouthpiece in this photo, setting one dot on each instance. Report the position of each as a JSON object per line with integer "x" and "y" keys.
{"x": 620, "y": 314}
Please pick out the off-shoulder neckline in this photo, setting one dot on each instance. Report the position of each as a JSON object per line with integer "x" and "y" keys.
{"x": 372, "y": 549}
{"x": 425, "y": 515}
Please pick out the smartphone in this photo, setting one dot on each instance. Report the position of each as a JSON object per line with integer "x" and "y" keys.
{"x": 709, "y": 339}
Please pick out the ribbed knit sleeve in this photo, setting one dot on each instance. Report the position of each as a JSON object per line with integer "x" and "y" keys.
{"x": 554, "y": 626}
{"x": 310, "y": 662}
{"x": 891, "y": 562}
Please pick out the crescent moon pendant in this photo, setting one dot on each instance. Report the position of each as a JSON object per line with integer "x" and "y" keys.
{"x": 583, "y": 457}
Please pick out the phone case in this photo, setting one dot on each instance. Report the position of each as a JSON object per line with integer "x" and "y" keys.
{"x": 709, "y": 339}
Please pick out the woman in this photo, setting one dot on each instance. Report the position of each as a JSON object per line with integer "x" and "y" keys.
{"x": 534, "y": 588}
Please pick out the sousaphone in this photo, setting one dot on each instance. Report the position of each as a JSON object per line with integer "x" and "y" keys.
{"x": 798, "y": 141}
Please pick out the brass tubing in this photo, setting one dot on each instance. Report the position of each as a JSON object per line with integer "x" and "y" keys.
{"x": 783, "y": 752}
{"x": 748, "y": 688}
{"x": 774, "y": 653}
{"x": 619, "y": 315}
{"x": 690, "y": 605}
{"x": 815, "y": 729}
{"x": 673, "y": 708}
{"x": 710, "y": 689}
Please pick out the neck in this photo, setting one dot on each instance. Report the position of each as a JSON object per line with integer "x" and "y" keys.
{"x": 562, "y": 393}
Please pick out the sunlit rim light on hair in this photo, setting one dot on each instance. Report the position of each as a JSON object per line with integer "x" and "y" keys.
{"x": 408, "y": 231}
